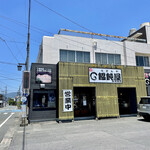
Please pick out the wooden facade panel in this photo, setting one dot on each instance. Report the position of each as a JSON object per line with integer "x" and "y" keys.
{"x": 141, "y": 90}
{"x": 77, "y": 75}
{"x": 107, "y": 106}
{"x": 106, "y": 89}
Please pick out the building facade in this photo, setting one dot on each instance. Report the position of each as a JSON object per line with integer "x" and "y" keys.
{"x": 98, "y": 90}
{"x": 69, "y": 91}
{"x": 95, "y": 77}
{"x": 131, "y": 51}
{"x": 43, "y": 92}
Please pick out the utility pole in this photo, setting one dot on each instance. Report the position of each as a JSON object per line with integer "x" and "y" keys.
{"x": 28, "y": 40}
{"x": 24, "y": 108}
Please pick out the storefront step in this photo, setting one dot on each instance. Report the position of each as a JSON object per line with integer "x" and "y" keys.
{"x": 84, "y": 118}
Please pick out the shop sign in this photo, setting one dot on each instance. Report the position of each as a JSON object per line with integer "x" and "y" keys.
{"x": 43, "y": 75}
{"x": 101, "y": 75}
{"x": 147, "y": 78}
{"x": 67, "y": 100}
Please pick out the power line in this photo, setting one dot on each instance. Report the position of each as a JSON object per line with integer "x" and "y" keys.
{"x": 9, "y": 78}
{"x": 34, "y": 28}
{"x": 63, "y": 37}
{"x": 7, "y": 84}
{"x": 50, "y": 32}
{"x": 19, "y": 34}
{"x": 12, "y": 30}
{"x": 79, "y": 43}
{"x": 9, "y": 63}
{"x": 76, "y": 23}
{"x": 9, "y": 49}
{"x": 19, "y": 51}
{"x": 62, "y": 16}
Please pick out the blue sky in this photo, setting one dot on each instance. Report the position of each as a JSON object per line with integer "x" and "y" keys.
{"x": 114, "y": 17}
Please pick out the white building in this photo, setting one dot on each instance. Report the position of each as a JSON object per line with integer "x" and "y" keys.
{"x": 131, "y": 51}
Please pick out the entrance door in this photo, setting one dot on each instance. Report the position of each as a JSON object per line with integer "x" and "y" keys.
{"x": 84, "y": 101}
{"x": 127, "y": 101}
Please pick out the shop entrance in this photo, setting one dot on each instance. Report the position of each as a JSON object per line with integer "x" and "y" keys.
{"x": 84, "y": 102}
{"x": 127, "y": 101}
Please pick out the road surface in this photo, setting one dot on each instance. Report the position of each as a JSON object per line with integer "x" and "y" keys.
{"x": 8, "y": 117}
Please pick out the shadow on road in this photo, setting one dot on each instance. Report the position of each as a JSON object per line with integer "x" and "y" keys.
{"x": 23, "y": 142}
{"x": 143, "y": 120}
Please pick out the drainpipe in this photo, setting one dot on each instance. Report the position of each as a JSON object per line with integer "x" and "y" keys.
{"x": 125, "y": 53}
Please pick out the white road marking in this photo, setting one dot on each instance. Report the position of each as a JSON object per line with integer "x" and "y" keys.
{"x": 6, "y": 120}
{"x": 5, "y": 113}
{"x": 6, "y": 141}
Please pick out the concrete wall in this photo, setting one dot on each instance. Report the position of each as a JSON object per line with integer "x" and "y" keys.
{"x": 52, "y": 46}
{"x": 77, "y": 75}
{"x": 128, "y": 50}
{"x": 134, "y": 49}
{"x": 148, "y": 34}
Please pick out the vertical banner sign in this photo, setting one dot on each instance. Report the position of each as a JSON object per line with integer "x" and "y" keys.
{"x": 67, "y": 100}
{"x": 26, "y": 80}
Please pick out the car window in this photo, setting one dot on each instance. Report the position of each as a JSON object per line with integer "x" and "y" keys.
{"x": 145, "y": 101}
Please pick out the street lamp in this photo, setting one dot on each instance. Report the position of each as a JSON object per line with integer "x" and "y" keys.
{"x": 19, "y": 66}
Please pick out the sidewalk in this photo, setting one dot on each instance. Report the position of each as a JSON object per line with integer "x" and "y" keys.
{"x": 128, "y": 133}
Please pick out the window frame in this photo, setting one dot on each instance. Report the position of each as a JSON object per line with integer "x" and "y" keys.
{"x": 75, "y": 54}
{"x": 107, "y": 58}
{"x": 143, "y": 63}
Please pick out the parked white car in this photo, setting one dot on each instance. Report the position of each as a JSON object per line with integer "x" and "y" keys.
{"x": 144, "y": 107}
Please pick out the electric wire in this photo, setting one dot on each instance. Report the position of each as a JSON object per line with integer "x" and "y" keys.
{"x": 34, "y": 28}
{"x": 74, "y": 41}
{"x": 9, "y": 63}
{"x": 59, "y": 14}
{"x": 76, "y": 22}
{"x": 9, "y": 49}
{"x": 9, "y": 78}
{"x": 53, "y": 33}
{"x": 7, "y": 84}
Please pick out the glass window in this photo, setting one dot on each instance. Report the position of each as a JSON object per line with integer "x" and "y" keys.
{"x": 44, "y": 99}
{"x": 98, "y": 58}
{"x": 117, "y": 59}
{"x": 104, "y": 58}
{"x": 87, "y": 57}
{"x": 79, "y": 56}
{"x": 142, "y": 61}
{"x": 110, "y": 59}
{"x": 63, "y": 55}
{"x": 145, "y": 101}
{"x": 71, "y": 56}
{"x": 146, "y": 61}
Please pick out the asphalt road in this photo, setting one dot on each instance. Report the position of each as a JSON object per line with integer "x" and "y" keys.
{"x": 125, "y": 133}
{"x": 8, "y": 116}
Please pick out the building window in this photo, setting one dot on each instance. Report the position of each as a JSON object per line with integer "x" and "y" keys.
{"x": 103, "y": 58}
{"x": 142, "y": 61}
{"x": 74, "y": 56}
{"x": 44, "y": 99}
